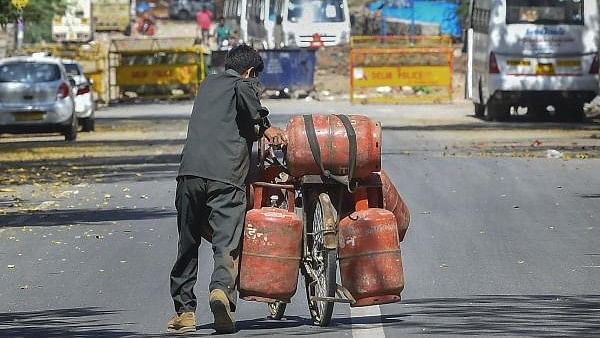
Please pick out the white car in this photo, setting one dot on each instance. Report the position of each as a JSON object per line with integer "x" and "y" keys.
{"x": 84, "y": 99}
{"x": 36, "y": 96}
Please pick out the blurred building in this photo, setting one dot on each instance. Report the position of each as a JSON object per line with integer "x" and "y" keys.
{"x": 7, "y": 40}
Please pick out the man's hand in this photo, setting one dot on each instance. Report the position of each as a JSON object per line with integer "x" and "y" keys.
{"x": 276, "y": 136}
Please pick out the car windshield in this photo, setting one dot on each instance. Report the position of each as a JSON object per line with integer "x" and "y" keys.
{"x": 71, "y": 69}
{"x": 545, "y": 12}
{"x": 316, "y": 11}
{"x": 29, "y": 72}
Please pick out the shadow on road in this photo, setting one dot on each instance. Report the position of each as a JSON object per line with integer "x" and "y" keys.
{"x": 106, "y": 169}
{"x": 513, "y": 125}
{"x": 274, "y": 118}
{"x": 26, "y": 144}
{"x": 84, "y": 322}
{"x": 264, "y": 324}
{"x": 49, "y": 218}
{"x": 519, "y": 315}
{"x": 485, "y": 315}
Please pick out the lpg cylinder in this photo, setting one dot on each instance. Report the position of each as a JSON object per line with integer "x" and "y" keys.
{"x": 370, "y": 259}
{"x": 270, "y": 258}
{"x": 394, "y": 203}
{"x": 334, "y": 146}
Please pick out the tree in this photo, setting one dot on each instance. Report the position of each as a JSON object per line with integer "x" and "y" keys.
{"x": 7, "y": 13}
{"x": 463, "y": 11}
{"x": 37, "y": 15}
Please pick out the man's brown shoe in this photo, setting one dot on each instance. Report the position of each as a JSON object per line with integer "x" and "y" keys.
{"x": 185, "y": 322}
{"x": 219, "y": 305}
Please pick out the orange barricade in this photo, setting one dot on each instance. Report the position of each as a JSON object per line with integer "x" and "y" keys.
{"x": 401, "y": 69}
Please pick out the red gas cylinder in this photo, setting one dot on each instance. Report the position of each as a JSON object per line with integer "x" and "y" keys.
{"x": 369, "y": 254}
{"x": 394, "y": 203}
{"x": 270, "y": 256}
{"x": 333, "y": 145}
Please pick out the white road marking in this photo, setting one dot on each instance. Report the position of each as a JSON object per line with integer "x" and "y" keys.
{"x": 369, "y": 330}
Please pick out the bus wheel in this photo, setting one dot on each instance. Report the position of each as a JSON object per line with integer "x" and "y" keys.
{"x": 495, "y": 111}
{"x": 537, "y": 112}
{"x": 570, "y": 112}
{"x": 479, "y": 109}
{"x": 183, "y": 15}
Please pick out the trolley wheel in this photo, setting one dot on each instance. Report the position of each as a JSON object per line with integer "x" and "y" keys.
{"x": 277, "y": 309}
{"x": 323, "y": 263}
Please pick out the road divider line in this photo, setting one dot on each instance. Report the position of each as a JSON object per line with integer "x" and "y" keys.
{"x": 373, "y": 328}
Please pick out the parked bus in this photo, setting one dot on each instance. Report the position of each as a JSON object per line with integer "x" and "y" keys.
{"x": 539, "y": 54}
{"x": 246, "y": 19}
{"x": 112, "y": 15}
{"x": 291, "y": 23}
{"x": 76, "y": 24}
{"x": 306, "y": 22}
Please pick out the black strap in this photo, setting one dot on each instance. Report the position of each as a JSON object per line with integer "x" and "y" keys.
{"x": 311, "y": 134}
{"x": 352, "y": 147}
{"x": 316, "y": 150}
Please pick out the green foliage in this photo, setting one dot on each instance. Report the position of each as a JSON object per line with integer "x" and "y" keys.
{"x": 463, "y": 11}
{"x": 7, "y": 13}
{"x": 37, "y": 16}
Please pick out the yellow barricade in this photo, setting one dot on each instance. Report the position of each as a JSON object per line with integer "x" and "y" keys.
{"x": 138, "y": 75}
{"x": 92, "y": 58}
{"x": 401, "y": 76}
{"x": 400, "y": 69}
{"x": 155, "y": 68}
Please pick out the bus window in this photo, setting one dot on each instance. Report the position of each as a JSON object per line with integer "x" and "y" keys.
{"x": 254, "y": 10}
{"x": 545, "y": 12}
{"x": 275, "y": 8}
{"x": 272, "y": 10}
{"x": 316, "y": 11}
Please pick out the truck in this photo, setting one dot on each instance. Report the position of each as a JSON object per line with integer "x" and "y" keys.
{"x": 112, "y": 15}
{"x": 75, "y": 24}
{"x": 309, "y": 22}
{"x": 303, "y": 23}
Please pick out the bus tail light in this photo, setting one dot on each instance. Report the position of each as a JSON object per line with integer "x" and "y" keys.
{"x": 493, "y": 67}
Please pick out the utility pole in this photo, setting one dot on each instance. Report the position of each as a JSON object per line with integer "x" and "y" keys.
{"x": 19, "y": 24}
{"x": 413, "y": 29}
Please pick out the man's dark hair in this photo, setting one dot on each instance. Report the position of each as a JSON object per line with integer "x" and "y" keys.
{"x": 243, "y": 57}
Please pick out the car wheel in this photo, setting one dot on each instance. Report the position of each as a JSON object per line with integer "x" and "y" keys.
{"x": 183, "y": 15}
{"x": 495, "y": 111}
{"x": 88, "y": 124}
{"x": 71, "y": 130}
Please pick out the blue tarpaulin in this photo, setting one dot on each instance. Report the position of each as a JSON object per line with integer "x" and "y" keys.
{"x": 425, "y": 11}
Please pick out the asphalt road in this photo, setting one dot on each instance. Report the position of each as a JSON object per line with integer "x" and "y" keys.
{"x": 498, "y": 245}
